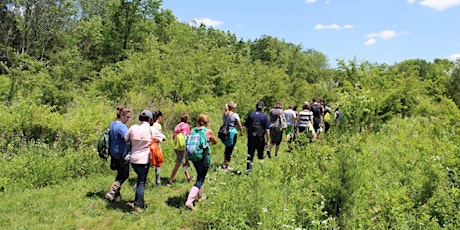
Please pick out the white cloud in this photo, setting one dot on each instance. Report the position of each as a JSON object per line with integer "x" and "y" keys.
{"x": 439, "y": 4}
{"x": 310, "y": 1}
{"x": 205, "y": 21}
{"x": 383, "y": 35}
{"x": 455, "y": 56}
{"x": 371, "y": 41}
{"x": 372, "y": 38}
{"x": 410, "y": 1}
{"x": 332, "y": 26}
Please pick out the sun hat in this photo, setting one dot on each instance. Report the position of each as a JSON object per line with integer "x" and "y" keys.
{"x": 231, "y": 104}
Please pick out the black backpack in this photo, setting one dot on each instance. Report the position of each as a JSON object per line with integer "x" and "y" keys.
{"x": 256, "y": 129}
{"x": 224, "y": 131}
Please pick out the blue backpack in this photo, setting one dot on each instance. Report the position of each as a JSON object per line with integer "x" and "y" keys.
{"x": 196, "y": 144}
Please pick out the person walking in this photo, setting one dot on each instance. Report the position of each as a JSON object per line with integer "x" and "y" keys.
{"x": 118, "y": 130}
{"x": 202, "y": 165}
{"x": 291, "y": 120}
{"x": 141, "y": 136}
{"x": 156, "y": 124}
{"x": 275, "y": 135}
{"x": 181, "y": 131}
{"x": 306, "y": 119}
{"x": 318, "y": 113}
{"x": 258, "y": 128}
{"x": 234, "y": 122}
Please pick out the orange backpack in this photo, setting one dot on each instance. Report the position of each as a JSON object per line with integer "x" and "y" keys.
{"x": 156, "y": 156}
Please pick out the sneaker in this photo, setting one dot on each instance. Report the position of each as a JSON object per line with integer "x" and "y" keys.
{"x": 201, "y": 199}
{"x": 228, "y": 169}
{"x": 110, "y": 196}
{"x": 191, "y": 178}
{"x": 268, "y": 154}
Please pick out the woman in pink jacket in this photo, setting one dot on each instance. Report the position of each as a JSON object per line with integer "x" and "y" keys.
{"x": 141, "y": 136}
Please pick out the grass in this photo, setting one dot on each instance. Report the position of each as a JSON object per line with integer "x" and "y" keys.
{"x": 80, "y": 204}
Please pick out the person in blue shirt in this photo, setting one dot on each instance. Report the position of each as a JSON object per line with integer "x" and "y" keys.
{"x": 118, "y": 130}
{"x": 258, "y": 128}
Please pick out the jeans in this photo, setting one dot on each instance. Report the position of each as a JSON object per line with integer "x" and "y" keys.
{"x": 201, "y": 167}
{"x": 142, "y": 170}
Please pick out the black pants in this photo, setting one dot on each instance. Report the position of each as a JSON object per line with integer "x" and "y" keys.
{"x": 229, "y": 150}
{"x": 255, "y": 144}
{"x": 122, "y": 169}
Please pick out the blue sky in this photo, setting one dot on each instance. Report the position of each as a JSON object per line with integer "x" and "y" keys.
{"x": 378, "y": 31}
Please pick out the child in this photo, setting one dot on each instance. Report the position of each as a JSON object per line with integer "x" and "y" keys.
{"x": 182, "y": 128}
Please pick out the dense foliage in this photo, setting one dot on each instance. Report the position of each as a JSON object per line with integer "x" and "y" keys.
{"x": 393, "y": 162}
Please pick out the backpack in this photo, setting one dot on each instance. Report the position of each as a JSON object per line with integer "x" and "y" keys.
{"x": 196, "y": 144}
{"x": 328, "y": 117}
{"x": 280, "y": 123}
{"x": 256, "y": 130}
{"x": 224, "y": 131}
{"x": 103, "y": 144}
{"x": 309, "y": 130}
{"x": 339, "y": 116}
{"x": 179, "y": 142}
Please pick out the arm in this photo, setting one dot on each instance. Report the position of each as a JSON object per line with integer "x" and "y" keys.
{"x": 157, "y": 136}
{"x": 240, "y": 127}
{"x": 211, "y": 136}
{"x": 126, "y": 137}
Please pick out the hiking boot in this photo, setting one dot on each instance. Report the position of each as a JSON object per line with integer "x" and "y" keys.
{"x": 137, "y": 209}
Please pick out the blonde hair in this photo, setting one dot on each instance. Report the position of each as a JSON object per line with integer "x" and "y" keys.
{"x": 202, "y": 120}
{"x": 228, "y": 107}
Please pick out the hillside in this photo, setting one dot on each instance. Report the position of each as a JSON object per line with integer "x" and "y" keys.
{"x": 393, "y": 162}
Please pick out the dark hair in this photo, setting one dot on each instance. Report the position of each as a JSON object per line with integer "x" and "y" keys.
{"x": 157, "y": 114}
{"x": 185, "y": 118}
{"x": 143, "y": 117}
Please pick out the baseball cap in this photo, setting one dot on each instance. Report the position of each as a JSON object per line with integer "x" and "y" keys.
{"x": 147, "y": 113}
{"x": 260, "y": 105}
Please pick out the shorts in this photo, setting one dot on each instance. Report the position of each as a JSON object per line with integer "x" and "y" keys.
{"x": 275, "y": 137}
{"x": 179, "y": 156}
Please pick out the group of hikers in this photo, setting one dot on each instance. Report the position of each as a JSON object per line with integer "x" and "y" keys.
{"x": 263, "y": 132}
